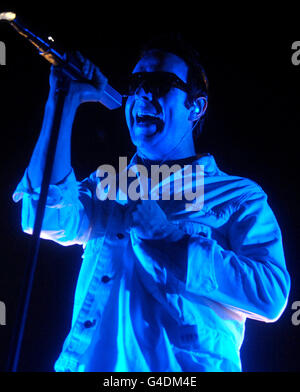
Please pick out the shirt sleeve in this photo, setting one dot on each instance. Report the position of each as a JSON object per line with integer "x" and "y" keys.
{"x": 251, "y": 277}
{"x": 68, "y": 210}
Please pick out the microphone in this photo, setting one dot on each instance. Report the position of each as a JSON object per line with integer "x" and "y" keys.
{"x": 110, "y": 98}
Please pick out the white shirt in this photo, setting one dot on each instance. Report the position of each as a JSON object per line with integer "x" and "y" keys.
{"x": 131, "y": 312}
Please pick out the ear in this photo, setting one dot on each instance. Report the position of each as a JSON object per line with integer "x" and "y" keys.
{"x": 198, "y": 109}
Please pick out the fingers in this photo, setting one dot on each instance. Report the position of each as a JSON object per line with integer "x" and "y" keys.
{"x": 99, "y": 80}
{"x": 90, "y": 70}
{"x": 146, "y": 220}
{"x": 88, "y": 67}
{"x": 57, "y": 79}
{"x": 80, "y": 91}
{"x": 131, "y": 214}
{"x": 140, "y": 211}
{"x": 84, "y": 64}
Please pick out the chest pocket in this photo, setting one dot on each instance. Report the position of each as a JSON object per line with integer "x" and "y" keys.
{"x": 195, "y": 228}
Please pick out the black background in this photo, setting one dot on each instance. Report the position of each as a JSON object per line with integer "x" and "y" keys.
{"x": 252, "y": 130}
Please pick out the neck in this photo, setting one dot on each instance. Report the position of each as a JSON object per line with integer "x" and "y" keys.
{"x": 162, "y": 156}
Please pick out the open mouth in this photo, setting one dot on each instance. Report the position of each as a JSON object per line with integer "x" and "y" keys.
{"x": 154, "y": 124}
{"x": 148, "y": 119}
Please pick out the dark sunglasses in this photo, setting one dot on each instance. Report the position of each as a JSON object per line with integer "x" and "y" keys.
{"x": 159, "y": 83}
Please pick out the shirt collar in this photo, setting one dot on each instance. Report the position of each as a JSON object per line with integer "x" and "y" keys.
{"x": 205, "y": 159}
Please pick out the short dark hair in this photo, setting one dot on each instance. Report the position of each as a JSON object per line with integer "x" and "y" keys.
{"x": 197, "y": 79}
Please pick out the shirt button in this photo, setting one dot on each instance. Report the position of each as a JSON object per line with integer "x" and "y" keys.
{"x": 89, "y": 324}
{"x": 120, "y": 236}
{"x": 105, "y": 279}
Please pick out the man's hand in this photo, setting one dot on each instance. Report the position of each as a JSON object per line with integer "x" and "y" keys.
{"x": 79, "y": 92}
{"x": 149, "y": 222}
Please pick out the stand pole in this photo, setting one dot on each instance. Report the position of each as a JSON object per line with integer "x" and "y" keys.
{"x": 18, "y": 332}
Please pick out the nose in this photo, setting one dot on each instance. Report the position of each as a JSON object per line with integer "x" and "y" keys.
{"x": 143, "y": 92}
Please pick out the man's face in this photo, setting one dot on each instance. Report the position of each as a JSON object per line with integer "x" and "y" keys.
{"x": 160, "y": 125}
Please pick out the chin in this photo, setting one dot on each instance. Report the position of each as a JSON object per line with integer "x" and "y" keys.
{"x": 148, "y": 133}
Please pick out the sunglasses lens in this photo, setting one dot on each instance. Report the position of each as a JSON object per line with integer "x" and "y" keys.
{"x": 135, "y": 81}
{"x": 159, "y": 83}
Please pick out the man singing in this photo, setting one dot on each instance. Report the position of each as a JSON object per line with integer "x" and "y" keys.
{"x": 162, "y": 287}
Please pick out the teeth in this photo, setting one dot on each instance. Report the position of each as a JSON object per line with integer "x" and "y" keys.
{"x": 147, "y": 114}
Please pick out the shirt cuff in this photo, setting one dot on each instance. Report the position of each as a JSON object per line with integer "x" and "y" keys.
{"x": 59, "y": 195}
{"x": 201, "y": 279}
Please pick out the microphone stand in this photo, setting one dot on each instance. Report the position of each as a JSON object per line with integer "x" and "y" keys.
{"x": 112, "y": 100}
{"x": 18, "y": 332}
